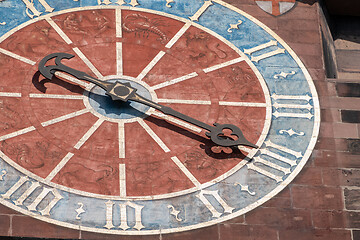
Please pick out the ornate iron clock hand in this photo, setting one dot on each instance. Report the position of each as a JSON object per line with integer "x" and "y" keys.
{"x": 124, "y": 92}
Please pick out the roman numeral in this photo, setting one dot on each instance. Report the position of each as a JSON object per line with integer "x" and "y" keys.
{"x": 298, "y": 102}
{"x": 280, "y": 163}
{"x": 262, "y": 47}
{"x": 34, "y": 205}
{"x": 201, "y": 10}
{"x": 215, "y": 195}
{"x": 31, "y": 11}
{"x": 123, "y": 215}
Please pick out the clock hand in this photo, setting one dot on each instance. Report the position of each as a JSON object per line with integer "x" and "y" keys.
{"x": 124, "y": 92}
{"x": 49, "y": 71}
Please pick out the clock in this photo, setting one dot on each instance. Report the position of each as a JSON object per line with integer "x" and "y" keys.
{"x": 73, "y": 156}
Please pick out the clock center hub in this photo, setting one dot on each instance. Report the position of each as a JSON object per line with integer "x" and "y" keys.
{"x": 103, "y": 106}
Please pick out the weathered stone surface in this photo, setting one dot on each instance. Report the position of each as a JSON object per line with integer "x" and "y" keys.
{"x": 353, "y": 145}
{"x": 352, "y": 197}
{"x": 348, "y": 89}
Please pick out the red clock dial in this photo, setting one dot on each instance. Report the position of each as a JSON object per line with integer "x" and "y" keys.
{"x": 70, "y": 133}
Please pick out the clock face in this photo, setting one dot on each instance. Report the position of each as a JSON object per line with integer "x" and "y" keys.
{"x": 72, "y": 156}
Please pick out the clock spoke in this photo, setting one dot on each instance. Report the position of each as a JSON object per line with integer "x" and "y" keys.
{"x": 17, "y": 133}
{"x": 194, "y": 74}
{"x": 153, "y": 62}
{"x": 12, "y": 115}
{"x": 72, "y": 79}
{"x": 10, "y": 94}
{"x": 118, "y": 23}
{"x": 122, "y": 180}
{"x": 121, "y": 135}
{"x": 153, "y": 135}
{"x": 88, "y": 134}
{"x": 223, "y": 65}
{"x": 174, "y": 81}
{"x": 56, "y": 96}
{"x": 177, "y": 121}
{"x": 65, "y": 117}
{"x": 243, "y": 104}
{"x": 59, "y": 31}
{"x": 158, "y": 57}
{"x": 16, "y": 56}
{"x": 183, "y": 101}
{"x": 58, "y": 167}
{"x": 146, "y": 38}
{"x": 119, "y": 51}
{"x": 178, "y": 35}
{"x": 119, "y": 59}
{"x": 185, "y": 171}
{"x": 88, "y": 63}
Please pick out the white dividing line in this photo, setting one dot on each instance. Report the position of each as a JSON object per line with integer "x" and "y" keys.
{"x": 182, "y": 101}
{"x": 245, "y": 149}
{"x": 118, "y": 23}
{"x": 222, "y": 65}
{"x": 71, "y": 79}
{"x": 59, "y": 31}
{"x": 176, "y": 80}
{"x": 186, "y": 171}
{"x": 88, "y": 63}
{"x": 153, "y": 135}
{"x": 56, "y": 96}
{"x": 177, "y": 121}
{"x": 89, "y": 133}
{"x": 122, "y": 179}
{"x": 178, "y": 35}
{"x": 291, "y": 97}
{"x": 119, "y": 59}
{"x": 7, "y": 94}
{"x": 17, "y": 133}
{"x": 153, "y": 62}
{"x": 18, "y": 57}
{"x": 58, "y": 167}
{"x": 242, "y": 104}
{"x": 121, "y": 134}
{"x": 65, "y": 117}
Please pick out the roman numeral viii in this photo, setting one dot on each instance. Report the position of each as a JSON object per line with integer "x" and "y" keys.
{"x": 34, "y": 198}
{"x": 278, "y": 166}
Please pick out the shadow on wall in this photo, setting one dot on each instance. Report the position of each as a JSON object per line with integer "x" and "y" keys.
{"x": 347, "y": 28}
{"x": 309, "y": 2}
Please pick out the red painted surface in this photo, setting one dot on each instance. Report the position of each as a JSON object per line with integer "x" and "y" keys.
{"x": 11, "y": 81}
{"x": 35, "y": 41}
{"x": 33, "y": 152}
{"x": 12, "y": 117}
{"x": 200, "y": 50}
{"x": 88, "y": 175}
{"x": 143, "y": 36}
{"x": 149, "y": 170}
{"x": 93, "y": 32}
